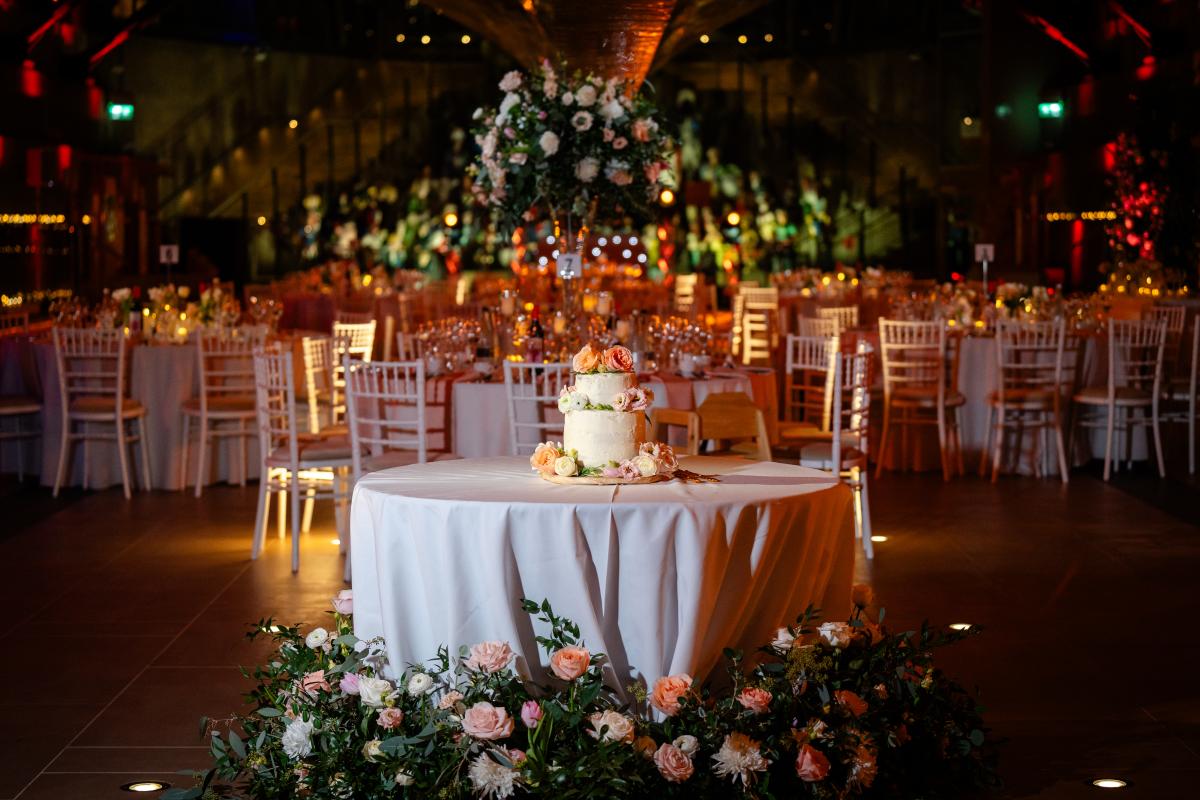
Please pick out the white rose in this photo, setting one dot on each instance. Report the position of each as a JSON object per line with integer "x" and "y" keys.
{"x": 647, "y": 465}
{"x": 316, "y": 638}
{"x": 838, "y": 634}
{"x": 568, "y": 98}
{"x": 612, "y": 110}
{"x": 371, "y": 751}
{"x": 419, "y": 684}
{"x": 549, "y": 143}
{"x": 689, "y": 745}
{"x": 587, "y": 170}
{"x": 586, "y": 96}
{"x": 374, "y": 691}
{"x": 506, "y": 105}
{"x": 783, "y": 639}
{"x": 620, "y": 402}
{"x": 565, "y": 466}
{"x": 297, "y": 739}
{"x": 564, "y": 402}
{"x": 404, "y": 779}
{"x": 579, "y": 401}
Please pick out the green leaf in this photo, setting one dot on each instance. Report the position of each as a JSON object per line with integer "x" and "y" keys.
{"x": 269, "y": 712}
{"x": 235, "y": 744}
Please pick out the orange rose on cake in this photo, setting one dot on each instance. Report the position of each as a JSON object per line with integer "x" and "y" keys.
{"x": 618, "y": 359}
{"x": 587, "y": 360}
{"x": 543, "y": 458}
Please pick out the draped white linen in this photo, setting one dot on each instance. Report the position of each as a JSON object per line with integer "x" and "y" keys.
{"x": 660, "y": 577}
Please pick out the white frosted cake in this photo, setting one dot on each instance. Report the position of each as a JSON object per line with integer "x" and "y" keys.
{"x": 604, "y": 434}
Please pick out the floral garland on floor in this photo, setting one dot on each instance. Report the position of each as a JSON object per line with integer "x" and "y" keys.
{"x": 838, "y": 710}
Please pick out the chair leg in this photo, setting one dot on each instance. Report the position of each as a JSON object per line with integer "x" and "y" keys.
{"x": 123, "y": 452}
{"x": 864, "y": 502}
{"x": 1063, "y": 466}
{"x": 183, "y": 464}
{"x": 942, "y": 444}
{"x": 87, "y": 453}
{"x": 1108, "y": 440}
{"x": 958, "y": 451}
{"x": 282, "y": 515}
{"x": 241, "y": 437}
{"x": 1158, "y": 449}
{"x": 201, "y": 474}
{"x": 20, "y": 450}
{"x": 144, "y": 446}
{"x": 64, "y": 447}
{"x": 309, "y": 502}
{"x": 260, "y": 518}
{"x": 884, "y": 440}
{"x": 1192, "y": 435}
{"x": 295, "y": 498}
{"x": 998, "y": 445}
{"x": 987, "y": 442}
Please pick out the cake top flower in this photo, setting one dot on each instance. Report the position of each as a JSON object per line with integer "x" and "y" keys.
{"x": 592, "y": 359}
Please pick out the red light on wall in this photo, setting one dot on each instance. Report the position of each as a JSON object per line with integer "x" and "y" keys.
{"x": 67, "y": 32}
{"x": 64, "y": 158}
{"x": 95, "y": 99}
{"x": 2, "y": 143}
{"x": 956, "y": 276}
{"x": 1085, "y": 100}
{"x": 1110, "y": 156}
{"x": 1147, "y": 69}
{"x": 31, "y": 80}
{"x": 1077, "y": 252}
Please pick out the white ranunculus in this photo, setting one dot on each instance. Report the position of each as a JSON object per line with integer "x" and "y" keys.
{"x": 612, "y": 110}
{"x": 404, "y": 779}
{"x": 838, "y": 634}
{"x": 420, "y": 684}
{"x": 689, "y": 745}
{"x": 647, "y": 465}
{"x": 297, "y": 739}
{"x": 565, "y": 466}
{"x": 549, "y": 143}
{"x": 316, "y": 638}
{"x": 586, "y": 96}
{"x": 579, "y": 401}
{"x": 620, "y": 401}
{"x": 564, "y": 402}
{"x": 374, "y": 691}
{"x": 587, "y": 169}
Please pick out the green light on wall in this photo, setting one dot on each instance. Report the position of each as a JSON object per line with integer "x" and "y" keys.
{"x": 1052, "y": 109}
{"x": 120, "y": 112}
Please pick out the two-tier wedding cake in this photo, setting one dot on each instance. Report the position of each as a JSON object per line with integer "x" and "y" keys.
{"x": 604, "y": 435}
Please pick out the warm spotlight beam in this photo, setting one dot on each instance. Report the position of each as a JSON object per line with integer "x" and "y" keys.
{"x": 1055, "y": 34}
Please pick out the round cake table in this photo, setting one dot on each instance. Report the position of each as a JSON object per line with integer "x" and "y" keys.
{"x": 660, "y": 577}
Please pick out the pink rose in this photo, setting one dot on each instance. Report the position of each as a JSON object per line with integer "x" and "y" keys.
{"x": 673, "y": 764}
{"x": 390, "y": 718}
{"x": 855, "y": 704}
{"x": 811, "y": 764}
{"x": 511, "y": 81}
{"x": 570, "y": 662}
{"x": 449, "y": 700}
{"x": 489, "y": 657}
{"x": 510, "y": 133}
{"x": 755, "y": 699}
{"x": 344, "y": 602}
{"x": 654, "y": 170}
{"x": 611, "y": 472}
{"x": 586, "y": 360}
{"x": 621, "y": 177}
{"x": 486, "y": 721}
{"x": 667, "y": 692}
{"x": 531, "y": 713}
{"x": 642, "y": 129}
{"x": 349, "y": 684}
{"x": 609, "y": 134}
{"x": 620, "y": 143}
{"x": 315, "y": 682}
{"x": 618, "y": 359}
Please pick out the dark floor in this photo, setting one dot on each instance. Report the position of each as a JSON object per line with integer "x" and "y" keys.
{"x": 127, "y": 618}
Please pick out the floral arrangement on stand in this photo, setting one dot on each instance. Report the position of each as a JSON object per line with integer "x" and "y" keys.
{"x": 835, "y": 710}
{"x": 563, "y": 142}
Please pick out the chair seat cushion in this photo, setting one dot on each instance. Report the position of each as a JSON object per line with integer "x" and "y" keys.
{"x": 223, "y": 404}
{"x": 14, "y": 404}
{"x": 925, "y": 397}
{"x": 801, "y": 430}
{"x": 819, "y": 455}
{"x": 312, "y": 449}
{"x": 402, "y": 458}
{"x": 1125, "y": 396}
{"x": 101, "y": 406}
{"x": 1024, "y": 398}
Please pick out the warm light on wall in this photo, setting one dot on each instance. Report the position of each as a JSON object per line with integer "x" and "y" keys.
{"x": 30, "y": 219}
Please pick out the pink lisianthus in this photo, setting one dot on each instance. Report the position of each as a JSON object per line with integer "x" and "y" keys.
{"x": 315, "y": 682}
{"x": 343, "y": 602}
{"x": 531, "y": 714}
{"x": 620, "y": 143}
{"x": 390, "y": 718}
{"x": 489, "y": 657}
{"x": 449, "y": 700}
{"x": 349, "y": 684}
{"x": 609, "y": 134}
{"x": 654, "y": 170}
{"x": 628, "y": 471}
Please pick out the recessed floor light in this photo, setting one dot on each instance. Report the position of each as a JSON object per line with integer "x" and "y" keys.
{"x": 335, "y": 541}
{"x": 145, "y": 786}
{"x": 878, "y": 538}
{"x": 960, "y": 626}
{"x": 1109, "y": 783}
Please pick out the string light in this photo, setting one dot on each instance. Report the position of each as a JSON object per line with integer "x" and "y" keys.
{"x": 704, "y": 38}
{"x": 425, "y": 39}
{"x": 466, "y": 38}
{"x": 400, "y": 37}
{"x": 30, "y": 219}
{"x": 743, "y": 39}
{"x": 293, "y": 124}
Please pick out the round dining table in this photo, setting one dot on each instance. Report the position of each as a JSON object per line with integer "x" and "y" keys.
{"x": 660, "y": 577}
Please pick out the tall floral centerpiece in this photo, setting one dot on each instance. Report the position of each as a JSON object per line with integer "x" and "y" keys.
{"x": 570, "y": 147}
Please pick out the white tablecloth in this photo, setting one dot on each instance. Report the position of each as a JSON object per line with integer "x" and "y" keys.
{"x": 481, "y": 410}
{"x": 660, "y": 577}
{"x": 162, "y": 378}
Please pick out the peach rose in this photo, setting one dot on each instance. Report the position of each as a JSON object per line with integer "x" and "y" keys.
{"x": 618, "y": 359}
{"x": 543, "y": 458}
{"x": 315, "y": 682}
{"x": 616, "y": 727}
{"x": 673, "y": 764}
{"x": 570, "y": 662}
{"x": 486, "y": 721}
{"x": 811, "y": 764}
{"x": 755, "y": 699}
{"x": 853, "y": 703}
{"x": 489, "y": 657}
{"x": 586, "y": 360}
{"x": 390, "y": 718}
{"x": 667, "y": 692}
